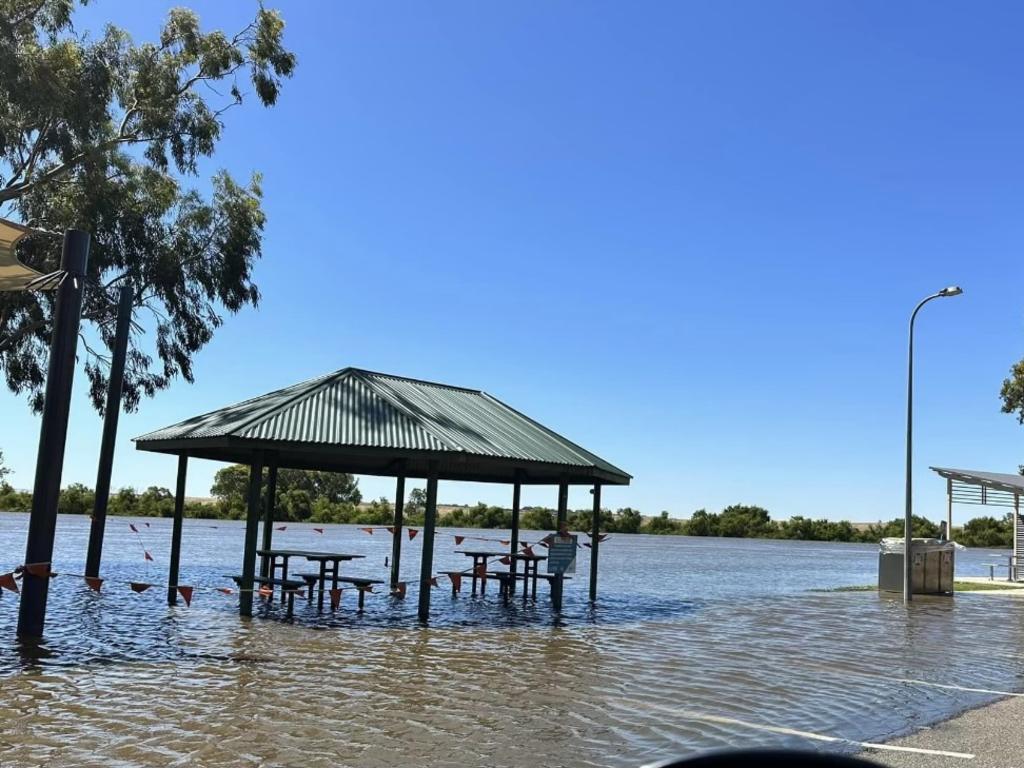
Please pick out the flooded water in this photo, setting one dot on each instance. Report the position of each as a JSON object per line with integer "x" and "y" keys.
{"x": 695, "y": 644}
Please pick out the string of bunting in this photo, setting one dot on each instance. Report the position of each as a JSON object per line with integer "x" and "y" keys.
{"x": 369, "y": 529}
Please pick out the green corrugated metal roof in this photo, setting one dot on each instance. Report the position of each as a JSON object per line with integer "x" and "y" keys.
{"x": 353, "y": 409}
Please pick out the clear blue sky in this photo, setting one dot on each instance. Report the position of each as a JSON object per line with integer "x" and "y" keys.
{"x": 685, "y": 235}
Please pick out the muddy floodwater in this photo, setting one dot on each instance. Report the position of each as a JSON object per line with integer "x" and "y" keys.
{"x": 694, "y": 644}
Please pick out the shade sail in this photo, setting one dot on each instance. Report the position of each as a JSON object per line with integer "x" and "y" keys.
{"x": 14, "y": 276}
{"x": 363, "y": 422}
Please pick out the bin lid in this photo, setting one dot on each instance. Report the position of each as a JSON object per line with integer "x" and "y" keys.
{"x": 895, "y": 545}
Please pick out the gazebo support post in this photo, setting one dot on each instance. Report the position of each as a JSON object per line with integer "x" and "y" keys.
{"x": 269, "y": 510}
{"x": 427, "y": 561}
{"x": 563, "y": 514}
{"x": 513, "y": 547}
{"x": 110, "y": 414}
{"x": 179, "y": 514}
{"x": 252, "y": 522}
{"x": 396, "y": 537}
{"x": 595, "y": 539}
{"x": 1016, "y": 537}
{"x": 42, "y": 522}
{"x": 949, "y": 509}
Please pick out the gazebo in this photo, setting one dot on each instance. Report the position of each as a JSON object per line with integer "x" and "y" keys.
{"x": 995, "y": 489}
{"x": 370, "y": 423}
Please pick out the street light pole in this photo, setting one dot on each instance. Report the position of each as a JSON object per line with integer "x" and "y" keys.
{"x": 952, "y": 290}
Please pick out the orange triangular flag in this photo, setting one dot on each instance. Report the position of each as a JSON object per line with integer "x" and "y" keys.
{"x": 186, "y": 594}
{"x": 134, "y": 529}
{"x": 587, "y": 545}
{"x": 433, "y": 581}
{"x": 459, "y": 540}
{"x": 138, "y": 586}
{"x": 367, "y": 530}
{"x": 481, "y": 570}
{"x": 281, "y": 528}
{"x": 319, "y": 530}
{"x": 399, "y": 590}
{"x": 505, "y": 560}
{"x": 335, "y": 598}
{"x": 148, "y": 556}
{"x": 266, "y": 591}
{"x": 42, "y": 570}
{"x": 94, "y": 582}
{"x": 391, "y": 530}
{"x": 225, "y": 590}
{"x": 456, "y": 581}
{"x": 412, "y": 533}
{"x": 7, "y": 582}
{"x": 504, "y": 542}
{"x": 528, "y": 551}
{"x": 365, "y": 587}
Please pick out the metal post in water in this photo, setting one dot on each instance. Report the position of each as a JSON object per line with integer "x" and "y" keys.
{"x": 396, "y": 537}
{"x": 125, "y": 298}
{"x": 513, "y": 548}
{"x": 595, "y": 538}
{"x": 563, "y": 514}
{"x": 427, "y": 561}
{"x": 252, "y": 524}
{"x": 179, "y": 514}
{"x": 268, "y": 514}
{"x": 53, "y": 432}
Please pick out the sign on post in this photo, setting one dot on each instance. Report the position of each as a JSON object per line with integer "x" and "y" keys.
{"x": 562, "y": 554}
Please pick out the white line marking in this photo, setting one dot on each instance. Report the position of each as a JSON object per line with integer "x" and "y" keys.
{"x": 718, "y": 719}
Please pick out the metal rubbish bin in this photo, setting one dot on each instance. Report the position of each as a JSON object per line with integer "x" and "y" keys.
{"x": 931, "y": 570}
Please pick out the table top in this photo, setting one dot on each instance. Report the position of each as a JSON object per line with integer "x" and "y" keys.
{"x": 524, "y": 556}
{"x": 480, "y": 553}
{"x": 308, "y": 555}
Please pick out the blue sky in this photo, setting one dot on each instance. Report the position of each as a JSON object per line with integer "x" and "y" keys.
{"x": 685, "y": 235}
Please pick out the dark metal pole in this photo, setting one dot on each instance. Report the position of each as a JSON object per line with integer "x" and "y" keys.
{"x": 53, "y": 432}
{"x": 110, "y": 415}
{"x": 513, "y": 547}
{"x": 427, "y": 561}
{"x": 595, "y": 538}
{"x": 563, "y": 514}
{"x": 252, "y": 524}
{"x": 396, "y": 538}
{"x": 179, "y": 514}
{"x": 268, "y": 513}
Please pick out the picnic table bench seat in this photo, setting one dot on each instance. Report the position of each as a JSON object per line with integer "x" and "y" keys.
{"x": 359, "y": 582}
{"x": 288, "y": 588}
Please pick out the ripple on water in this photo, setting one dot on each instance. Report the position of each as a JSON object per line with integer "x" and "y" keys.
{"x": 129, "y": 681}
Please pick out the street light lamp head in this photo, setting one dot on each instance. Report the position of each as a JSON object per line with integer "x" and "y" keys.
{"x": 953, "y": 290}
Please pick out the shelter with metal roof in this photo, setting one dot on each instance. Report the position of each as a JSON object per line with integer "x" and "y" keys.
{"x": 363, "y": 422}
{"x": 997, "y": 489}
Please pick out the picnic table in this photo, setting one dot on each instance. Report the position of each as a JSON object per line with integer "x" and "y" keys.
{"x": 530, "y": 563}
{"x": 323, "y": 558}
{"x": 480, "y": 558}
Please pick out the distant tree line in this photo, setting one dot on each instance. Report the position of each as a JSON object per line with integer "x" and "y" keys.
{"x": 329, "y": 497}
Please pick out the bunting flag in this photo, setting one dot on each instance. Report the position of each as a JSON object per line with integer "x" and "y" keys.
{"x": 42, "y": 570}
{"x": 364, "y": 587}
{"x": 390, "y": 530}
{"x": 399, "y": 590}
{"x": 335, "y": 598}
{"x": 433, "y": 581}
{"x": 504, "y": 542}
{"x": 459, "y": 540}
{"x": 225, "y": 590}
{"x": 543, "y": 544}
{"x": 587, "y": 544}
{"x": 456, "y": 581}
{"x": 138, "y": 586}
{"x": 186, "y": 594}
{"x": 94, "y": 582}
{"x": 481, "y": 570}
{"x": 134, "y": 529}
{"x": 412, "y": 533}
{"x": 146, "y": 524}
{"x": 281, "y": 528}
{"x": 528, "y": 550}
{"x": 319, "y": 530}
{"x": 7, "y": 582}
{"x": 505, "y": 560}
{"x": 266, "y": 591}
{"x": 367, "y": 530}
{"x": 524, "y": 544}
{"x": 149, "y": 557}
